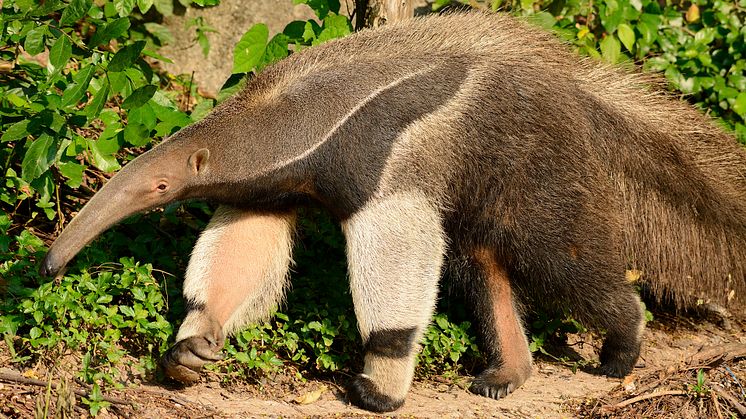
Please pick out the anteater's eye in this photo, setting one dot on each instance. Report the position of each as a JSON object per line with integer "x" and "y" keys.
{"x": 162, "y": 187}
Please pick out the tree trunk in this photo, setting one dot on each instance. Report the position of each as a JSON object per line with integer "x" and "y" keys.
{"x": 374, "y": 13}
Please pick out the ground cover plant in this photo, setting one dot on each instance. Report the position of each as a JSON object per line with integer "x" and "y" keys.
{"x": 81, "y": 94}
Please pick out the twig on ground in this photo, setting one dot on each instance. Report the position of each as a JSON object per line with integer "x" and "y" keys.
{"x": 717, "y": 404}
{"x": 646, "y": 397}
{"x": 719, "y": 354}
{"x": 18, "y": 378}
{"x": 730, "y": 399}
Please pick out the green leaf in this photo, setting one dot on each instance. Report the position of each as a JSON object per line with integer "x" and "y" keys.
{"x": 60, "y": 52}
{"x": 111, "y": 30}
{"x": 75, "y": 91}
{"x": 124, "y": 7}
{"x": 144, "y": 115}
{"x": 626, "y": 35}
{"x": 164, "y": 7}
{"x": 139, "y": 97}
{"x": 144, "y": 5}
{"x": 543, "y": 20}
{"x": 276, "y": 50}
{"x": 35, "y": 332}
{"x": 137, "y": 134}
{"x": 38, "y": 158}
{"x": 106, "y": 162}
{"x": 295, "y": 30}
{"x": 16, "y": 131}
{"x": 250, "y": 49}
{"x": 74, "y": 11}
{"x": 739, "y": 106}
{"x": 611, "y": 49}
{"x": 34, "y": 43}
{"x": 161, "y": 32}
{"x": 125, "y": 57}
{"x": 95, "y": 106}
{"x": 335, "y": 26}
{"x": 73, "y": 172}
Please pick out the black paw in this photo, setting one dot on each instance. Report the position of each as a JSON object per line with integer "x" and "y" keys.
{"x": 617, "y": 362}
{"x": 183, "y": 361}
{"x": 487, "y": 385}
{"x": 363, "y": 393}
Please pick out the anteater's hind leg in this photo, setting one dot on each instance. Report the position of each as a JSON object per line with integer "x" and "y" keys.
{"x": 620, "y": 314}
{"x": 498, "y": 321}
{"x": 597, "y": 294}
{"x": 395, "y": 248}
{"x": 236, "y": 275}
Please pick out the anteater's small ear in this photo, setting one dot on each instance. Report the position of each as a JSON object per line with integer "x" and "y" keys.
{"x": 198, "y": 160}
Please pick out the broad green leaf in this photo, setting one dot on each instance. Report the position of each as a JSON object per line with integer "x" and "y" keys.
{"x": 60, "y": 52}
{"x": 739, "y": 106}
{"x": 276, "y": 50}
{"x": 321, "y": 7}
{"x": 143, "y": 115}
{"x": 626, "y": 35}
{"x": 103, "y": 161}
{"x": 74, "y": 91}
{"x": 335, "y": 26}
{"x": 311, "y": 30}
{"x": 126, "y": 56}
{"x": 611, "y": 49}
{"x": 124, "y": 7}
{"x": 139, "y": 97}
{"x": 111, "y": 30}
{"x": 16, "y": 131}
{"x": 95, "y": 106}
{"x": 144, "y": 5}
{"x": 38, "y": 158}
{"x": 234, "y": 83}
{"x": 543, "y": 20}
{"x": 294, "y": 30}
{"x": 73, "y": 172}
{"x": 34, "y": 43}
{"x": 201, "y": 110}
{"x": 74, "y": 11}
{"x": 161, "y": 32}
{"x": 648, "y": 27}
{"x": 164, "y": 7}
{"x": 35, "y": 332}
{"x": 249, "y": 51}
{"x": 136, "y": 134}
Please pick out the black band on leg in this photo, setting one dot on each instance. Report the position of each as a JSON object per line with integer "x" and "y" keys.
{"x": 391, "y": 343}
{"x": 191, "y": 305}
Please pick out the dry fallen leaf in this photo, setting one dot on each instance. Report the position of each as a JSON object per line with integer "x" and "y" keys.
{"x": 629, "y": 383}
{"x": 311, "y": 396}
{"x": 692, "y": 14}
{"x": 632, "y": 275}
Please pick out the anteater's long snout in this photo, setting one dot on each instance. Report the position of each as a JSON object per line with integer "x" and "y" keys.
{"x": 49, "y": 266}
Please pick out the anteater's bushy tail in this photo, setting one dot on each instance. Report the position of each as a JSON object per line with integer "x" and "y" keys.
{"x": 682, "y": 187}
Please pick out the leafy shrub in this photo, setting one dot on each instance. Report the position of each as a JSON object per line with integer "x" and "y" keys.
{"x": 700, "y": 46}
{"x": 79, "y": 98}
{"x": 101, "y": 313}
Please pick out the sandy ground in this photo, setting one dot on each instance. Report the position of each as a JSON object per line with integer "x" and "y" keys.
{"x": 554, "y": 390}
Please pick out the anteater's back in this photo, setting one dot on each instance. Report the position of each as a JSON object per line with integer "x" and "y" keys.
{"x": 676, "y": 182}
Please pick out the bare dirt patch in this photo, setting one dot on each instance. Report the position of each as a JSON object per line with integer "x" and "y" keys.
{"x": 665, "y": 384}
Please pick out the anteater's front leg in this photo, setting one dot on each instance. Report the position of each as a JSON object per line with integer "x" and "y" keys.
{"x": 395, "y": 249}
{"x": 236, "y": 275}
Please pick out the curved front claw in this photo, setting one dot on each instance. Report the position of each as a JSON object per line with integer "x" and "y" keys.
{"x": 183, "y": 361}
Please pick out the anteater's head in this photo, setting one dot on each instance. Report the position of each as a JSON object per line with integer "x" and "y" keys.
{"x": 163, "y": 175}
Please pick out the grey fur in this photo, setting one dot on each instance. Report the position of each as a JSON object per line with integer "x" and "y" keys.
{"x": 562, "y": 172}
